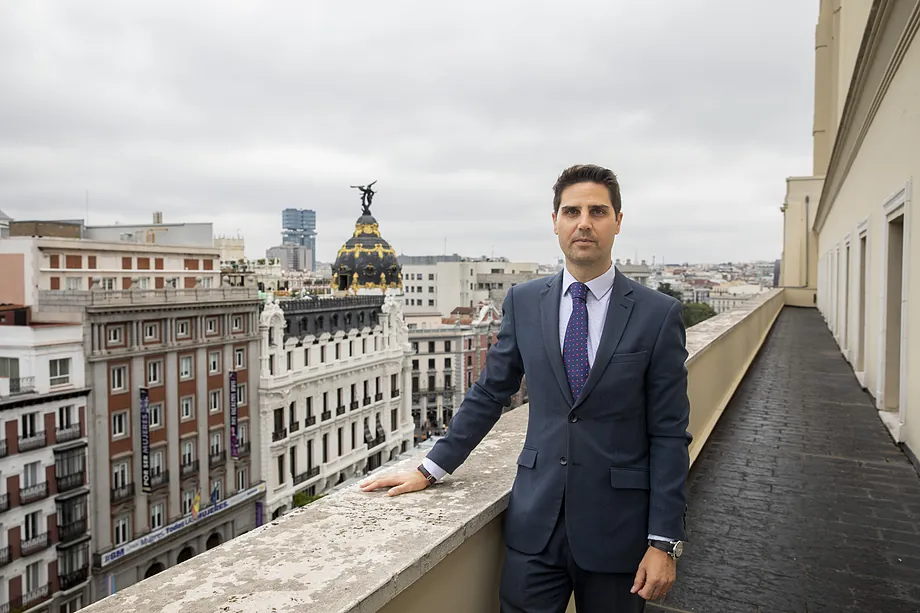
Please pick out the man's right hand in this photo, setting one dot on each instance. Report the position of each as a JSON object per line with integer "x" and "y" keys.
{"x": 401, "y": 482}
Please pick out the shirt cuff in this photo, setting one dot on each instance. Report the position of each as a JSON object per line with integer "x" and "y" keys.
{"x": 655, "y": 537}
{"x": 436, "y": 471}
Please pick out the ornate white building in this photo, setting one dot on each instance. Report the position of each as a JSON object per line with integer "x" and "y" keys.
{"x": 333, "y": 397}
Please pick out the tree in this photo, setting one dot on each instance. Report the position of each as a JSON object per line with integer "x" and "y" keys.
{"x": 695, "y": 312}
{"x": 665, "y": 288}
{"x": 302, "y": 498}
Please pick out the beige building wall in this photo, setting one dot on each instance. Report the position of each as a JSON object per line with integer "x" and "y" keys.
{"x": 868, "y": 233}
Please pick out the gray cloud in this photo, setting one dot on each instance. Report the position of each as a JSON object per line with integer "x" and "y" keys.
{"x": 465, "y": 113}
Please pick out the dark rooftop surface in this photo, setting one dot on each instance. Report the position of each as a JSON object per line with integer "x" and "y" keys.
{"x": 800, "y": 501}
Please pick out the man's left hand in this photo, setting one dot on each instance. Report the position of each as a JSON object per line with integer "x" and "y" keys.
{"x": 655, "y": 576}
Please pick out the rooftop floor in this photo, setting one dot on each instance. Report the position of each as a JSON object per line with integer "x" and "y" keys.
{"x": 800, "y": 501}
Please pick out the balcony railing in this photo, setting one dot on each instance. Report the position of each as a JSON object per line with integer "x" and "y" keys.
{"x": 377, "y": 441}
{"x": 22, "y": 385}
{"x": 36, "y": 543}
{"x": 68, "y": 434}
{"x": 326, "y": 415}
{"x": 3, "y": 450}
{"x": 102, "y": 297}
{"x": 4, "y": 556}
{"x": 33, "y": 492}
{"x": 340, "y": 410}
{"x": 394, "y": 393}
{"x": 65, "y": 483}
{"x": 36, "y": 596}
{"x": 33, "y": 441}
{"x": 122, "y": 493}
{"x": 355, "y": 404}
{"x": 216, "y": 457}
{"x": 279, "y": 435}
{"x": 244, "y": 448}
{"x": 310, "y": 421}
{"x": 307, "y": 474}
{"x": 4, "y": 502}
{"x": 159, "y": 479}
{"x": 189, "y": 468}
{"x": 72, "y": 530}
{"x": 295, "y": 426}
{"x": 378, "y": 397}
{"x": 73, "y": 579}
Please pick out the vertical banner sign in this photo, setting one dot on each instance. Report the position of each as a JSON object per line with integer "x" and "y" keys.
{"x": 145, "y": 442}
{"x": 234, "y": 446}
{"x": 258, "y": 514}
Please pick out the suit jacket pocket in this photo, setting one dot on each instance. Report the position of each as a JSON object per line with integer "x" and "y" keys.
{"x": 629, "y": 478}
{"x": 623, "y": 358}
{"x": 528, "y": 457}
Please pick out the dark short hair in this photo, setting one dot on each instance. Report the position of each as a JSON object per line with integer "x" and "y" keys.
{"x": 587, "y": 173}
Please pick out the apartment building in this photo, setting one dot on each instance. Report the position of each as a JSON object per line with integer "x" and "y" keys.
{"x": 438, "y": 284}
{"x": 168, "y": 354}
{"x": 851, "y": 228}
{"x": 331, "y": 399}
{"x": 44, "y": 527}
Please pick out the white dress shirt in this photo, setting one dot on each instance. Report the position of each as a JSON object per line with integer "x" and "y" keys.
{"x": 597, "y": 299}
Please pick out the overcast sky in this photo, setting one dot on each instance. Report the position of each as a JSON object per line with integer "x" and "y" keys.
{"x": 465, "y": 113}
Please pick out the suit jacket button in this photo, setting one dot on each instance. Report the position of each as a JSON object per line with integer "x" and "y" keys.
{"x": 573, "y": 418}
{"x": 563, "y": 461}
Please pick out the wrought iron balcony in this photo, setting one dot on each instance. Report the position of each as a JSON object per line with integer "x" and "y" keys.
{"x": 4, "y": 556}
{"x": 66, "y": 483}
{"x": 122, "y": 493}
{"x": 189, "y": 468}
{"x": 33, "y": 492}
{"x": 310, "y": 421}
{"x": 4, "y": 502}
{"x": 340, "y": 410}
{"x": 326, "y": 415}
{"x": 73, "y": 579}
{"x": 377, "y": 441}
{"x": 69, "y": 433}
{"x": 244, "y": 448}
{"x": 216, "y": 457}
{"x": 22, "y": 385}
{"x": 72, "y": 530}
{"x": 36, "y": 596}
{"x": 367, "y": 400}
{"x": 394, "y": 393}
{"x": 378, "y": 397}
{"x": 295, "y": 426}
{"x": 279, "y": 435}
{"x": 3, "y": 450}
{"x": 355, "y": 404}
{"x": 159, "y": 479}
{"x": 33, "y": 441}
{"x": 34, "y": 544}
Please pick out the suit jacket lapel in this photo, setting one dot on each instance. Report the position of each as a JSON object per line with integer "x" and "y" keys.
{"x": 549, "y": 314}
{"x": 618, "y": 311}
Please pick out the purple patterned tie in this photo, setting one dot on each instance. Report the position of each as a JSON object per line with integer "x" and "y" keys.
{"x": 575, "y": 349}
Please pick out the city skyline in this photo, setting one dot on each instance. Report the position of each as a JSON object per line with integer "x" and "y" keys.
{"x": 464, "y": 146}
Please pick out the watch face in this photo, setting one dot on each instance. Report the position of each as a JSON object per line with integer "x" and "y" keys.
{"x": 678, "y": 549}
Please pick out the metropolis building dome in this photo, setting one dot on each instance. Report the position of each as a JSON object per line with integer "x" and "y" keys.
{"x": 366, "y": 260}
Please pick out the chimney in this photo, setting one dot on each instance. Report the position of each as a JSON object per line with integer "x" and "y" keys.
{"x": 157, "y": 217}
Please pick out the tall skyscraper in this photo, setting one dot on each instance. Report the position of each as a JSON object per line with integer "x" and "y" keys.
{"x": 298, "y": 227}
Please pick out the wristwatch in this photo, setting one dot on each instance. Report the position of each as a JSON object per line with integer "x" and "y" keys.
{"x": 672, "y": 548}
{"x": 431, "y": 479}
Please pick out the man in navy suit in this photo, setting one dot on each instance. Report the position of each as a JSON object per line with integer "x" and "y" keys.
{"x": 598, "y": 503}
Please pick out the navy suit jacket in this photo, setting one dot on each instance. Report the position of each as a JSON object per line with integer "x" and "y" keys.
{"x": 617, "y": 455}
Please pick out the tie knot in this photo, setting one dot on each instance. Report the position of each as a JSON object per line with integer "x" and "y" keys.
{"x": 579, "y": 291}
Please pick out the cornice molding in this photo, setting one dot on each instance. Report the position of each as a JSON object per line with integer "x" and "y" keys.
{"x": 857, "y": 117}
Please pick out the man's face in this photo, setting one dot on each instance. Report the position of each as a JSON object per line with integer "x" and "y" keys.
{"x": 586, "y": 223}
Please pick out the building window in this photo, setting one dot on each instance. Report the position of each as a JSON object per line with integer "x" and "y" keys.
{"x": 188, "y": 499}
{"x": 67, "y": 417}
{"x": 182, "y": 328}
{"x": 122, "y": 529}
{"x": 115, "y": 334}
{"x": 74, "y": 283}
{"x": 156, "y": 462}
{"x": 394, "y": 421}
{"x": 430, "y": 346}
{"x": 119, "y": 378}
{"x": 237, "y": 323}
{"x": 322, "y": 354}
{"x": 431, "y": 303}
{"x": 155, "y": 372}
{"x": 431, "y": 365}
{"x": 215, "y": 442}
{"x": 32, "y": 525}
{"x": 339, "y": 444}
{"x": 414, "y": 364}
{"x": 447, "y": 347}
{"x": 120, "y": 472}
{"x": 188, "y": 452}
{"x": 242, "y": 480}
{"x": 243, "y": 434}
{"x": 187, "y": 407}
{"x": 338, "y": 351}
{"x": 72, "y": 606}
{"x": 306, "y": 356}
{"x": 211, "y": 325}
{"x": 156, "y": 415}
{"x": 185, "y": 367}
{"x": 240, "y": 359}
{"x": 31, "y": 474}
{"x": 290, "y": 361}
{"x": 354, "y": 434}
{"x": 151, "y": 332}
{"x": 325, "y": 448}
{"x": 108, "y": 283}
{"x": 242, "y": 399}
{"x": 214, "y": 362}
{"x": 60, "y": 371}
{"x": 120, "y": 424}
{"x": 214, "y": 401}
{"x": 280, "y": 469}
{"x": 156, "y": 515}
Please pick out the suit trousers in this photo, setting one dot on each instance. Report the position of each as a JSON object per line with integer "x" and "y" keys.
{"x": 543, "y": 583}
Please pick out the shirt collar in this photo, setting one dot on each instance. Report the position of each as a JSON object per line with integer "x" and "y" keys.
{"x": 599, "y": 286}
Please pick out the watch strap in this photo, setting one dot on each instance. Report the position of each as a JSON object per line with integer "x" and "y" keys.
{"x": 431, "y": 478}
